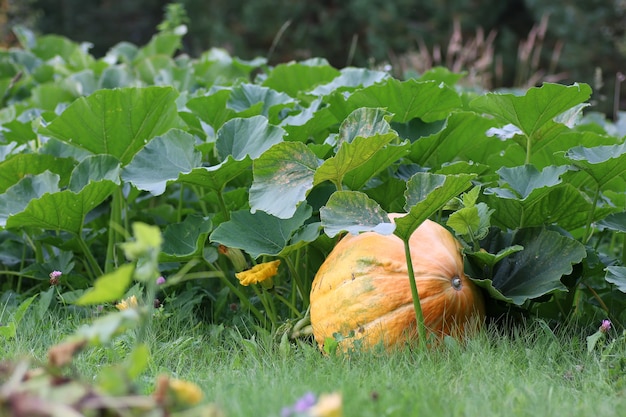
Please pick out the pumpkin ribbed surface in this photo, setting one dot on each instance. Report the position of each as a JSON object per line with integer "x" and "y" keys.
{"x": 363, "y": 287}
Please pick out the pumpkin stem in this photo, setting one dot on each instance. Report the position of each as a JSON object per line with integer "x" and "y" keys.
{"x": 419, "y": 315}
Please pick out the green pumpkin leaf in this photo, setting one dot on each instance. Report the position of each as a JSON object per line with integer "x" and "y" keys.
{"x": 63, "y": 210}
{"x": 426, "y": 193}
{"x": 616, "y": 275}
{"x": 407, "y": 100}
{"x": 354, "y": 212}
{"x": 535, "y": 108}
{"x": 357, "y": 178}
{"x": 361, "y": 136}
{"x": 17, "y": 197}
{"x": 251, "y": 136}
{"x": 116, "y": 122}
{"x": 537, "y": 269}
{"x": 95, "y": 168}
{"x": 212, "y": 108}
{"x": 349, "y": 79}
{"x": 184, "y": 240}
{"x": 283, "y": 176}
{"x": 544, "y": 206}
{"x": 526, "y": 179}
{"x": 217, "y": 176}
{"x": 602, "y": 163}
{"x": 364, "y": 122}
{"x": 260, "y": 233}
{"x": 615, "y": 222}
{"x": 245, "y": 96}
{"x": 461, "y": 138}
{"x": 109, "y": 287}
{"x": 13, "y": 169}
{"x": 163, "y": 159}
{"x": 294, "y": 78}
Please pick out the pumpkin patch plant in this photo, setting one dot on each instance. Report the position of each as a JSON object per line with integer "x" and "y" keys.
{"x": 240, "y": 164}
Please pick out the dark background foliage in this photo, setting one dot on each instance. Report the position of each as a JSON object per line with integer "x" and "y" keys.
{"x": 363, "y": 32}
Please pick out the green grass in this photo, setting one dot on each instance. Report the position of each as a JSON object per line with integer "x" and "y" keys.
{"x": 534, "y": 373}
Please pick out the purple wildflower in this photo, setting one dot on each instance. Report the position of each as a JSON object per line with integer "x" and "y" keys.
{"x": 160, "y": 280}
{"x": 301, "y": 405}
{"x": 54, "y": 277}
{"x": 605, "y": 326}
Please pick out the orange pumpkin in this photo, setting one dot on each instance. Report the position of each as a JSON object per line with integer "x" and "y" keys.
{"x": 363, "y": 288}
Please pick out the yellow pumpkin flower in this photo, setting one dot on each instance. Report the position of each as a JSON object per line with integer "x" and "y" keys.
{"x": 186, "y": 392}
{"x": 130, "y": 302}
{"x": 261, "y": 273}
{"x": 328, "y": 405}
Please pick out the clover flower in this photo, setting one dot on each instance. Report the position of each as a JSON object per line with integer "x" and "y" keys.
{"x": 160, "y": 280}
{"x": 54, "y": 277}
{"x": 605, "y": 326}
{"x": 260, "y": 273}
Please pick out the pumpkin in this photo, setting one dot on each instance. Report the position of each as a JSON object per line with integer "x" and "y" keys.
{"x": 362, "y": 290}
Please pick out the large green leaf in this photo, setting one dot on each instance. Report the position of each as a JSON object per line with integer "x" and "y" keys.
{"x": 186, "y": 239}
{"x": 63, "y": 210}
{"x": 17, "y": 197}
{"x": 364, "y": 122}
{"x": 245, "y": 96}
{"x": 602, "y": 163}
{"x": 462, "y": 138}
{"x": 364, "y": 132}
{"x": 117, "y": 122}
{"x": 536, "y": 270}
{"x": 354, "y": 212}
{"x": 616, "y": 275}
{"x": 538, "y": 200}
{"x": 251, "y": 136}
{"x": 350, "y": 79}
{"x": 260, "y": 233}
{"x": 95, "y": 168}
{"x": 294, "y": 78}
{"x": 535, "y": 108}
{"x": 523, "y": 180}
{"x": 212, "y": 108}
{"x": 283, "y": 176}
{"x": 162, "y": 160}
{"x": 428, "y": 100}
{"x": 217, "y": 176}
{"x": 425, "y": 194}
{"x": 19, "y": 166}
{"x": 357, "y": 178}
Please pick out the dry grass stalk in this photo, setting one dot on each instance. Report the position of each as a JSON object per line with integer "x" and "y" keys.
{"x": 478, "y": 58}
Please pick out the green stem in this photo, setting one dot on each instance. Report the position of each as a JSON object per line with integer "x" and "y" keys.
{"x": 242, "y": 298}
{"x": 528, "y": 149}
{"x": 588, "y": 228}
{"x": 267, "y": 304}
{"x": 299, "y": 284}
{"x": 419, "y": 315}
{"x": 289, "y": 305}
{"x": 222, "y": 204}
{"x": 179, "y": 209}
{"x": 94, "y": 268}
{"x": 111, "y": 261}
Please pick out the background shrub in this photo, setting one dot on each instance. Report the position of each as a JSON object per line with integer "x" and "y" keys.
{"x": 588, "y": 35}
